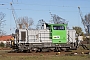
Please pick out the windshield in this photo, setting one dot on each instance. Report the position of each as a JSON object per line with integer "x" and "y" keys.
{"x": 58, "y": 27}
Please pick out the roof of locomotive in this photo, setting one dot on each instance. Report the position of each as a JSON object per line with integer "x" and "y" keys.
{"x": 58, "y": 24}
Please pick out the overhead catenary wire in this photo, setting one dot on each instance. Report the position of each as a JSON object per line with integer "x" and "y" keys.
{"x": 46, "y": 5}
{"x": 37, "y": 10}
{"x": 43, "y": 5}
{"x": 51, "y": 5}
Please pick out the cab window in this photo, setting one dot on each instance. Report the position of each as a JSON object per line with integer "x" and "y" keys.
{"x": 58, "y": 27}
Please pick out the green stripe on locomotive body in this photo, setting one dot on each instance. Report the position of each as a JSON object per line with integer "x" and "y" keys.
{"x": 58, "y": 33}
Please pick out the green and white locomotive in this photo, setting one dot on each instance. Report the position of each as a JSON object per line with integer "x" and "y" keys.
{"x": 54, "y": 37}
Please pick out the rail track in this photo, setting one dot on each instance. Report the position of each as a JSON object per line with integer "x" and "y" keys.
{"x": 9, "y": 52}
{"x": 49, "y": 53}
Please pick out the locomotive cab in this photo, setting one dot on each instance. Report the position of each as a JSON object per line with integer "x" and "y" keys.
{"x": 58, "y": 33}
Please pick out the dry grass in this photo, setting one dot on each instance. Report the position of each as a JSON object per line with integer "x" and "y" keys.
{"x": 4, "y": 56}
{"x": 42, "y": 57}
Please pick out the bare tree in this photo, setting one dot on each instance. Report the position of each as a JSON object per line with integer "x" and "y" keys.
{"x": 57, "y": 19}
{"x": 87, "y": 22}
{"x": 2, "y": 16}
{"x": 25, "y": 22}
{"x": 87, "y": 18}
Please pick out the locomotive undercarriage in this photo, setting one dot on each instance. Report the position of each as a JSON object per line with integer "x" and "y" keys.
{"x": 41, "y": 47}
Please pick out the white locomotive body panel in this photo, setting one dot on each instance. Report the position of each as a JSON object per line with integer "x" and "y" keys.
{"x": 35, "y": 36}
{"x": 71, "y": 35}
{"x": 43, "y": 36}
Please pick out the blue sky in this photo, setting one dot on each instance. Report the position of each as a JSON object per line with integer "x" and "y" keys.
{"x": 39, "y": 9}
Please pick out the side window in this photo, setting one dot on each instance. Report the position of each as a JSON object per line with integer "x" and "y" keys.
{"x": 23, "y": 36}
